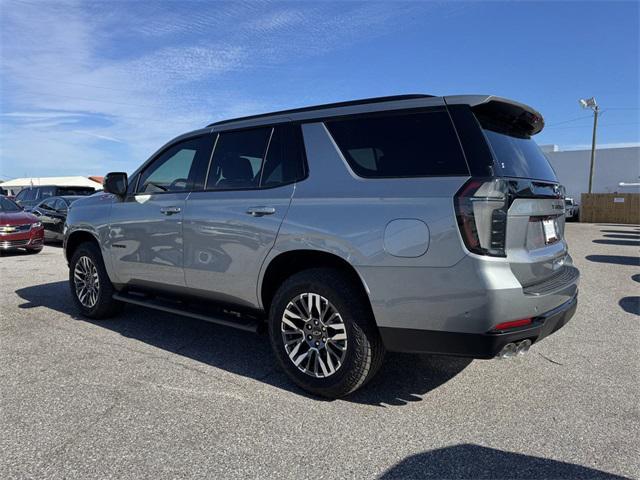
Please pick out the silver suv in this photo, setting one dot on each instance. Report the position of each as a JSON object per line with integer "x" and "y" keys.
{"x": 410, "y": 223}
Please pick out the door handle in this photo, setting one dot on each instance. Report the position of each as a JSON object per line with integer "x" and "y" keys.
{"x": 169, "y": 210}
{"x": 260, "y": 211}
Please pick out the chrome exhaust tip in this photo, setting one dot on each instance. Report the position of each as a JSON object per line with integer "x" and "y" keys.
{"x": 511, "y": 350}
{"x": 508, "y": 351}
{"x": 523, "y": 347}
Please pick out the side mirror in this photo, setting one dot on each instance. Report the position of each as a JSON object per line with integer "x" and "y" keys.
{"x": 116, "y": 183}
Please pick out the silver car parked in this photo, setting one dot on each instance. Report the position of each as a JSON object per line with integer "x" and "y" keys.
{"x": 410, "y": 223}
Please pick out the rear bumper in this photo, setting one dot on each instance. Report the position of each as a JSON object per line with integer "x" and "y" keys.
{"x": 475, "y": 345}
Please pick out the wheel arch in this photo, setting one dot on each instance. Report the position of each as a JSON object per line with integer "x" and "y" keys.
{"x": 75, "y": 239}
{"x": 291, "y": 262}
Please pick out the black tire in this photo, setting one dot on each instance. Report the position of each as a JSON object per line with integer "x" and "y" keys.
{"x": 33, "y": 251}
{"x": 105, "y": 306}
{"x": 364, "y": 352}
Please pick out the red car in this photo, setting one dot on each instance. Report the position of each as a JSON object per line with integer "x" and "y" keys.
{"x": 19, "y": 229}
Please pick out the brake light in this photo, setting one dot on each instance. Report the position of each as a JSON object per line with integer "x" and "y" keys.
{"x": 481, "y": 210}
{"x": 513, "y": 324}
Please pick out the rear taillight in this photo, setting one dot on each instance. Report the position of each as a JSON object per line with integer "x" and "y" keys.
{"x": 481, "y": 210}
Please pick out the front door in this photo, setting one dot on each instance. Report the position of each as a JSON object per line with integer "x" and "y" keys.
{"x": 145, "y": 232}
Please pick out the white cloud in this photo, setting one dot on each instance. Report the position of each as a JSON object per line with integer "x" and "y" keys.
{"x": 100, "y": 86}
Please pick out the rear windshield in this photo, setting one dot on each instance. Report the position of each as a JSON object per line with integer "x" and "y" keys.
{"x": 400, "y": 145}
{"x": 516, "y": 154}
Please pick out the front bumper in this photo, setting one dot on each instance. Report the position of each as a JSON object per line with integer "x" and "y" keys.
{"x": 475, "y": 345}
{"x": 32, "y": 240}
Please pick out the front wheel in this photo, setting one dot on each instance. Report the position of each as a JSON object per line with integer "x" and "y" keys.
{"x": 91, "y": 288}
{"x": 323, "y": 334}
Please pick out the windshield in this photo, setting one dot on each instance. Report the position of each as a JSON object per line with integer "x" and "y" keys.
{"x": 7, "y": 205}
{"x": 519, "y": 157}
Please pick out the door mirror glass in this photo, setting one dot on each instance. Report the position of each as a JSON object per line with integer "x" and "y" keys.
{"x": 116, "y": 183}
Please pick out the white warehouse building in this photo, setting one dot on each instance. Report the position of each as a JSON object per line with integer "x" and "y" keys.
{"x": 617, "y": 170}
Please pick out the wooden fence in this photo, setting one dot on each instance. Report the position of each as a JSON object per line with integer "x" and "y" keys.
{"x": 610, "y": 208}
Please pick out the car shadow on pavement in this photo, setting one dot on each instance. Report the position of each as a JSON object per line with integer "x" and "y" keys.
{"x": 623, "y": 243}
{"x": 474, "y": 461}
{"x": 614, "y": 259}
{"x": 403, "y": 378}
{"x": 629, "y": 225}
{"x": 630, "y": 305}
{"x": 628, "y": 236}
{"x": 626, "y": 232}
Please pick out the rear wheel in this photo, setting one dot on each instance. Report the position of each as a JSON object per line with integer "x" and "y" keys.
{"x": 91, "y": 288}
{"x": 322, "y": 332}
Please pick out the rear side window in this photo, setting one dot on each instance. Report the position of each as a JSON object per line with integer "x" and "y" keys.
{"x": 400, "y": 145}
{"x": 285, "y": 158}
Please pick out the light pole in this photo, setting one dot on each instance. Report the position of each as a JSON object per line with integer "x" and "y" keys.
{"x": 591, "y": 103}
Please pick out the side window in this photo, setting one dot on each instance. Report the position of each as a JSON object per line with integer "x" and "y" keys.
{"x": 285, "y": 158}
{"x": 47, "y": 204}
{"x": 27, "y": 195}
{"x": 178, "y": 168}
{"x": 46, "y": 192}
{"x": 237, "y": 159}
{"x": 133, "y": 183}
{"x": 59, "y": 205}
{"x": 400, "y": 145}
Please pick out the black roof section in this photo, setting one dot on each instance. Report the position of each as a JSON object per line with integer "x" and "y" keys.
{"x": 363, "y": 101}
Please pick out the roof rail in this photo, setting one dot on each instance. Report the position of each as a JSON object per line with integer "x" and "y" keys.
{"x": 363, "y": 101}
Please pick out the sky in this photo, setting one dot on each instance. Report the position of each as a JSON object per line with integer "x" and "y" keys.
{"x": 92, "y": 87}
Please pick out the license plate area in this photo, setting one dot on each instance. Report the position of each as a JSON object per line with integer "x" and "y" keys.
{"x": 550, "y": 230}
{"x": 544, "y": 231}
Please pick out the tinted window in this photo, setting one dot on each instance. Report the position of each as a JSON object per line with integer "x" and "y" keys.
{"x": 7, "y": 205}
{"x": 518, "y": 156}
{"x": 46, "y": 192}
{"x": 237, "y": 159}
{"x": 400, "y": 145}
{"x": 285, "y": 158}
{"x": 178, "y": 168}
{"x": 75, "y": 191}
{"x": 26, "y": 195}
{"x": 47, "y": 204}
{"x": 132, "y": 184}
{"x": 60, "y": 204}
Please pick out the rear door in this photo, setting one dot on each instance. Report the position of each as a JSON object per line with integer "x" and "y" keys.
{"x": 230, "y": 226}
{"x": 145, "y": 233}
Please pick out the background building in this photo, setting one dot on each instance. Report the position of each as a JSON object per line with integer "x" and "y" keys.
{"x": 612, "y": 167}
{"x": 15, "y": 185}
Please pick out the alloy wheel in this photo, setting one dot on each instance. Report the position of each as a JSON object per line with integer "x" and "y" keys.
{"x": 86, "y": 281}
{"x": 314, "y": 335}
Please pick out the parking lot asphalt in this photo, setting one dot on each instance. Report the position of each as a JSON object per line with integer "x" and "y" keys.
{"x": 153, "y": 395}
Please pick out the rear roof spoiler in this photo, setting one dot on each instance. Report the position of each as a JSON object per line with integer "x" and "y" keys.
{"x": 527, "y": 118}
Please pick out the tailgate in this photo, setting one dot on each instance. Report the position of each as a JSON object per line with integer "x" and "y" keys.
{"x": 535, "y": 244}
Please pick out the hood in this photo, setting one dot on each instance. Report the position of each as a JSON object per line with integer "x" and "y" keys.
{"x": 17, "y": 218}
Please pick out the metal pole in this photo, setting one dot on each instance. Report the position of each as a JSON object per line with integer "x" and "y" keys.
{"x": 593, "y": 145}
